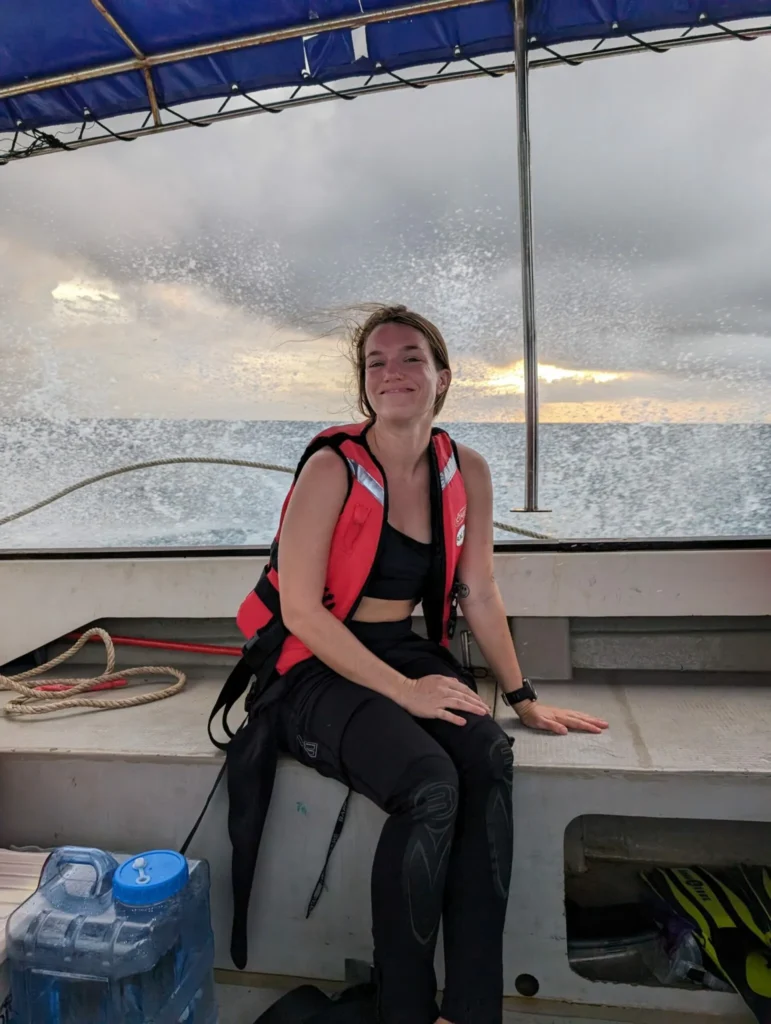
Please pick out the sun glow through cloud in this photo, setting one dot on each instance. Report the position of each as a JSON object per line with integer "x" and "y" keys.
{"x": 175, "y": 338}
{"x": 513, "y": 379}
{"x": 74, "y": 291}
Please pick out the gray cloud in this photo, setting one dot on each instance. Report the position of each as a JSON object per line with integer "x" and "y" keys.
{"x": 653, "y": 215}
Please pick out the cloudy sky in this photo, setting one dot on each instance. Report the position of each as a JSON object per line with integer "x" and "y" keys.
{"x": 183, "y": 275}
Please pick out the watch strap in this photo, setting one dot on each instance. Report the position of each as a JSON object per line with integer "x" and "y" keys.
{"x": 525, "y": 692}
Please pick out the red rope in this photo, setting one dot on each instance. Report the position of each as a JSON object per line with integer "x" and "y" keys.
{"x": 167, "y": 645}
{"x": 113, "y": 684}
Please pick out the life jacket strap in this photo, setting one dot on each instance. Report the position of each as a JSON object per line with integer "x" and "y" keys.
{"x": 259, "y": 658}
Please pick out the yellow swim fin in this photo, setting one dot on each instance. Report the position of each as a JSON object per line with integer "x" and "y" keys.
{"x": 730, "y": 931}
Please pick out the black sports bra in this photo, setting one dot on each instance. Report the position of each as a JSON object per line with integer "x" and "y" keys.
{"x": 401, "y": 571}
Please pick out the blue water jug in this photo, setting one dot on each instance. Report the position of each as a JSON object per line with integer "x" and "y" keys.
{"x": 100, "y": 943}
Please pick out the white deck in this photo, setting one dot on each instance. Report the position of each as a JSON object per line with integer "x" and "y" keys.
{"x": 241, "y": 1005}
{"x": 659, "y": 729}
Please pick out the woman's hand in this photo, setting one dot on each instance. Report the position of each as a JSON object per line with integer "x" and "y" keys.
{"x": 559, "y": 720}
{"x": 437, "y": 696}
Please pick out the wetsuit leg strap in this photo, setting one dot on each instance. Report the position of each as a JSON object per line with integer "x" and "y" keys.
{"x": 337, "y": 831}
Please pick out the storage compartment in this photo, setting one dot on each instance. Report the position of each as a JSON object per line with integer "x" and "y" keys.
{"x": 627, "y": 922}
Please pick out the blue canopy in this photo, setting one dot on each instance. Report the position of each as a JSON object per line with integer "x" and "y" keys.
{"x": 122, "y": 56}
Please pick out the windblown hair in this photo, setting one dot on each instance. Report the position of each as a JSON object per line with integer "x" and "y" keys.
{"x": 359, "y": 331}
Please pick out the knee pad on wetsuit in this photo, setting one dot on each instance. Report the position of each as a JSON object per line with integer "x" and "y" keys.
{"x": 429, "y": 801}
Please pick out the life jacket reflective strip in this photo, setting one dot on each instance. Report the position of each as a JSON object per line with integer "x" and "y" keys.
{"x": 270, "y": 650}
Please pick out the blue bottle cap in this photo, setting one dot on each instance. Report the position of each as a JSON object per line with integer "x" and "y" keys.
{"x": 150, "y": 878}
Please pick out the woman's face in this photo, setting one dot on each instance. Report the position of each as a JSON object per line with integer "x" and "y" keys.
{"x": 401, "y": 378}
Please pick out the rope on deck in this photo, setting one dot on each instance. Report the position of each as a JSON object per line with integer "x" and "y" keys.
{"x": 30, "y": 700}
{"x": 203, "y": 460}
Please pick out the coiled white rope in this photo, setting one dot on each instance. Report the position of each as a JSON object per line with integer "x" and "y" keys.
{"x": 180, "y": 460}
{"x": 31, "y": 701}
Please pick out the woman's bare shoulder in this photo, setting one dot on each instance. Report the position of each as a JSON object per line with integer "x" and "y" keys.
{"x": 317, "y": 500}
{"x": 471, "y": 462}
{"x": 325, "y": 473}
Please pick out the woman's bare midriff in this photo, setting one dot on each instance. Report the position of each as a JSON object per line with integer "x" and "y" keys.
{"x": 376, "y": 609}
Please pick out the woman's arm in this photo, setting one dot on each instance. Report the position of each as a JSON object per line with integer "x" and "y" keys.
{"x": 306, "y": 537}
{"x": 482, "y": 606}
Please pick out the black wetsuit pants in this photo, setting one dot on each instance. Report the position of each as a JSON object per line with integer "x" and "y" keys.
{"x": 445, "y": 850}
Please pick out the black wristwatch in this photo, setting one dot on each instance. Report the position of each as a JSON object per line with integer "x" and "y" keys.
{"x": 525, "y": 692}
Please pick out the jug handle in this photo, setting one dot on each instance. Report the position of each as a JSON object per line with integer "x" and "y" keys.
{"x": 104, "y": 865}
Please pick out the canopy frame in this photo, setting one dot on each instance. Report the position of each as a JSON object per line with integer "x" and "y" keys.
{"x": 144, "y": 68}
{"x": 26, "y": 141}
{"x": 140, "y": 61}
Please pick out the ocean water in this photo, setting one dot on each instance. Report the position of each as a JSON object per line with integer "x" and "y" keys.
{"x": 597, "y": 480}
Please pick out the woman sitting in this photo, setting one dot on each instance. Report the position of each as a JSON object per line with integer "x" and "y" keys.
{"x": 382, "y": 515}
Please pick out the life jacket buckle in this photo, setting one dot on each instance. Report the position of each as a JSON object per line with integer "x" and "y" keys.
{"x": 260, "y": 653}
{"x": 452, "y": 622}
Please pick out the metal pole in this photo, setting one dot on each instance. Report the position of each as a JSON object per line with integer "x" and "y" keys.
{"x": 526, "y": 246}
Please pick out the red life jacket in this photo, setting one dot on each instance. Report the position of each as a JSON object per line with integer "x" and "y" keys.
{"x": 271, "y": 650}
{"x": 357, "y": 537}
